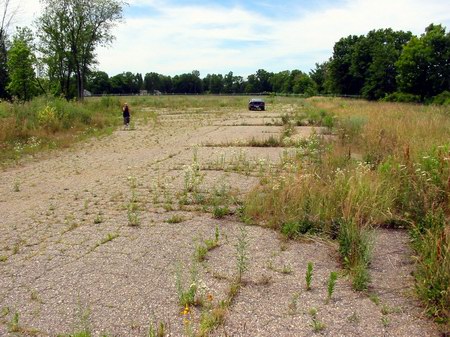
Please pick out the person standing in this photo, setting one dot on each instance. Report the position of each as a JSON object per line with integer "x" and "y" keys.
{"x": 126, "y": 115}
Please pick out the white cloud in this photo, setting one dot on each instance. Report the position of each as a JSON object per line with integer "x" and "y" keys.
{"x": 184, "y": 38}
{"x": 212, "y": 38}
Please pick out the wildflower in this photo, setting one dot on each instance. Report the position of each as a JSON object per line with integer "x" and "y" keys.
{"x": 185, "y": 312}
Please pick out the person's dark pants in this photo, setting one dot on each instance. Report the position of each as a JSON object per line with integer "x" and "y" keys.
{"x": 126, "y": 120}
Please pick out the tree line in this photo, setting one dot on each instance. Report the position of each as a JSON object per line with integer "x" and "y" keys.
{"x": 59, "y": 59}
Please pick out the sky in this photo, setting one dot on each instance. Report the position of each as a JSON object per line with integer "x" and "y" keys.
{"x": 218, "y": 36}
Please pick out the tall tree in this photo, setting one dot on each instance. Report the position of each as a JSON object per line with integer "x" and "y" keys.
{"x": 7, "y": 14}
{"x": 319, "y": 75}
{"x": 70, "y": 31}
{"x": 424, "y": 65}
{"x": 373, "y": 61}
{"x": 341, "y": 79}
{"x": 98, "y": 82}
{"x": 22, "y": 83}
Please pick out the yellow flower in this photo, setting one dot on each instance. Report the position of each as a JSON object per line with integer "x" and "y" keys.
{"x": 186, "y": 310}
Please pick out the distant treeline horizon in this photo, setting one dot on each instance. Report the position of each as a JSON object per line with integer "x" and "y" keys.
{"x": 384, "y": 64}
{"x": 58, "y": 59}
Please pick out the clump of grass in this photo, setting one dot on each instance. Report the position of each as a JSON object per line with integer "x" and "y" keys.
{"x": 13, "y": 325}
{"x": 309, "y": 275}
{"x": 210, "y": 320}
{"x": 98, "y": 219}
{"x": 220, "y": 211}
{"x": 176, "y": 218}
{"x": 355, "y": 248}
{"x": 157, "y": 329}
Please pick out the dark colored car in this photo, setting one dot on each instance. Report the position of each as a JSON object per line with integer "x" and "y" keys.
{"x": 257, "y": 104}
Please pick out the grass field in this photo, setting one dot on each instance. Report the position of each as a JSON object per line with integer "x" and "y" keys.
{"x": 333, "y": 177}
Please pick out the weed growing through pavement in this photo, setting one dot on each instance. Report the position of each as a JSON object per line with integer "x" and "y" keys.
{"x": 316, "y": 324}
{"x": 242, "y": 253}
{"x": 192, "y": 175}
{"x": 16, "y": 187}
{"x": 293, "y": 304}
{"x": 176, "y": 218}
{"x": 133, "y": 204}
{"x": 156, "y": 329}
{"x": 354, "y": 318}
{"x": 187, "y": 294}
{"x": 13, "y": 325}
{"x": 202, "y": 249}
{"x": 109, "y": 237}
{"x": 309, "y": 275}
{"x": 98, "y": 218}
{"x": 331, "y": 284}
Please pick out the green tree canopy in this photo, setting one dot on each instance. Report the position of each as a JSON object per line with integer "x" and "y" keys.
{"x": 70, "y": 31}
{"x": 22, "y": 83}
{"x": 424, "y": 65}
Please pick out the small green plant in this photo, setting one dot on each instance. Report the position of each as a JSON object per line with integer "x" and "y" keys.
{"x": 156, "y": 330}
{"x": 13, "y": 325}
{"x": 293, "y": 304}
{"x": 3, "y": 258}
{"x": 5, "y": 312}
{"x": 353, "y": 318}
{"x": 374, "y": 298}
{"x": 318, "y": 325}
{"x": 242, "y": 253}
{"x": 109, "y": 237}
{"x": 331, "y": 284}
{"x": 187, "y": 295}
{"x": 98, "y": 218}
{"x": 176, "y": 218}
{"x": 16, "y": 187}
{"x": 133, "y": 218}
{"x": 220, "y": 211}
{"x": 312, "y": 312}
{"x": 385, "y": 321}
{"x": 309, "y": 275}
{"x": 287, "y": 269}
{"x": 210, "y": 320}
{"x": 200, "y": 252}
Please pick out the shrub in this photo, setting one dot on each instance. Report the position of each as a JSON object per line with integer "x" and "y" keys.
{"x": 442, "y": 99}
{"x": 402, "y": 97}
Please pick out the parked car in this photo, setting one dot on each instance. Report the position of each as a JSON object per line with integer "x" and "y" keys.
{"x": 257, "y": 104}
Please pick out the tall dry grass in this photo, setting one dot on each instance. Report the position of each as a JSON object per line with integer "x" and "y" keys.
{"x": 388, "y": 164}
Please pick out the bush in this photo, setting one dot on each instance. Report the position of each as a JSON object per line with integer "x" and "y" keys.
{"x": 442, "y": 99}
{"x": 402, "y": 97}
